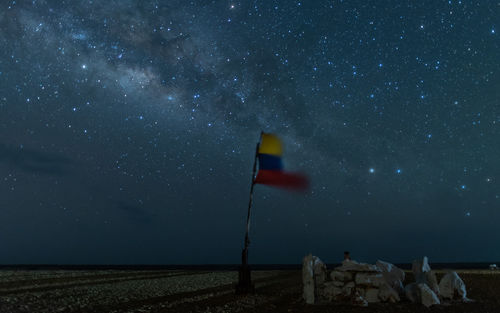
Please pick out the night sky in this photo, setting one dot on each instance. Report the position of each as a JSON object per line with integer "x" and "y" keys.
{"x": 128, "y": 130}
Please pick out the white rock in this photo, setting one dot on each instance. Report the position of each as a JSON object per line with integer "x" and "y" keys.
{"x": 319, "y": 269}
{"x": 308, "y": 279}
{"x": 431, "y": 281}
{"x": 341, "y": 276}
{"x": 353, "y": 266}
{"x": 388, "y": 294}
{"x": 419, "y": 267}
{"x": 393, "y": 275}
{"x": 424, "y": 275}
{"x": 450, "y": 283}
{"x": 427, "y": 296}
{"x": 313, "y": 276}
{"x": 421, "y": 293}
{"x": 369, "y": 279}
{"x": 371, "y": 295}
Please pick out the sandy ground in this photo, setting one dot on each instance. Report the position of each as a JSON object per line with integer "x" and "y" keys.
{"x": 199, "y": 291}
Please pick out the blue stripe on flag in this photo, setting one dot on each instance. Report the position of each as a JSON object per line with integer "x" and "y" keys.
{"x": 270, "y": 162}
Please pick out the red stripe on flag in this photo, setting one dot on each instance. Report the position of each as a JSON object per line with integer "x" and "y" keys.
{"x": 282, "y": 179}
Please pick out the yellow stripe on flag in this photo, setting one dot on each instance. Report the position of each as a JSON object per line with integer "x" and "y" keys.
{"x": 271, "y": 144}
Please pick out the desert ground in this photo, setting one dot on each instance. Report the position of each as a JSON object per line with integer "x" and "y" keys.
{"x": 106, "y": 291}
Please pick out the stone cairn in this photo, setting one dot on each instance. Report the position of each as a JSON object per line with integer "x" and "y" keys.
{"x": 361, "y": 283}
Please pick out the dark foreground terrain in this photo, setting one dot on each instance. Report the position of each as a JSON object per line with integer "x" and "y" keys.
{"x": 106, "y": 291}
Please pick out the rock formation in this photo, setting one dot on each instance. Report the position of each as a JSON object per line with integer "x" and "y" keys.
{"x": 362, "y": 283}
{"x": 313, "y": 277}
{"x": 358, "y": 283}
{"x": 392, "y": 275}
{"x": 452, "y": 287}
{"x": 427, "y": 296}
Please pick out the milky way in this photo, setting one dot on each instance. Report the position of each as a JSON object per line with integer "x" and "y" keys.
{"x": 128, "y": 130}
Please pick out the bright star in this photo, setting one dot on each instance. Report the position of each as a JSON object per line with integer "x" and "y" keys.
{"x": 372, "y": 170}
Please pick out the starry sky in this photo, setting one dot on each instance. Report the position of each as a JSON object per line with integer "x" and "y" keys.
{"x": 128, "y": 130}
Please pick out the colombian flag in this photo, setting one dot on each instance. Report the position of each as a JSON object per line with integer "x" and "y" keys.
{"x": 271, "y": 166}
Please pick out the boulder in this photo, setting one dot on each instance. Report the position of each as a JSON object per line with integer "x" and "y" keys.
{"x": 427, "y": 296}
{"x": 431, "y": 281}
{"x": 412, "y": 292}
{"x": 369, "y": 279}
{"x": 393, "y": 275}
{"x": 308, "y": 278}
{"x": 371, "y": 295}
{"x": 341, "y": 276}
{"x": 330, "y": 291}
{"x": 419, "y": 267}
{"x": 319, "y": 269}
{"x": 348, "y": 288}
{"x": 421, "y": 293}
{"x": 313, "y": 276}
{"x": 337, "y": 276}
{"x": 450, "y": 285}
{"x": 338, "y": 283}
{"x": 353, "y": 266}
{"x": 388, "y": 294}
{"x": 424, "y": 275}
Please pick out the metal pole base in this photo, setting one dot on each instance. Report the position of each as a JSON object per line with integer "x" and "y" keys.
{"x": 244, "y": 285}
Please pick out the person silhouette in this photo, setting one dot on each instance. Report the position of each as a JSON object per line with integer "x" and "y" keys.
{"x": 347, "y": 256}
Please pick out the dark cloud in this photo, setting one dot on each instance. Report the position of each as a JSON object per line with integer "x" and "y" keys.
{"x": 35, "y": 161}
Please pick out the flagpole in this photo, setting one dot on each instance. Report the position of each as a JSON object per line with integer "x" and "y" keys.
{"x": 244, "y": 278}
